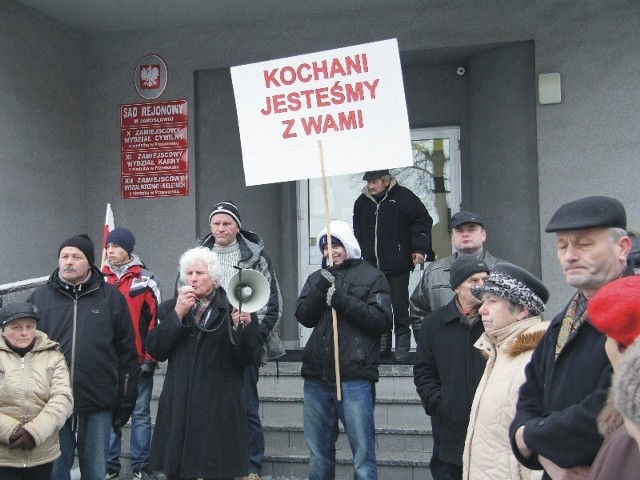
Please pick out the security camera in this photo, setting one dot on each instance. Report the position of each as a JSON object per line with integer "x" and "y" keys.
{"x": 461, "y": 71}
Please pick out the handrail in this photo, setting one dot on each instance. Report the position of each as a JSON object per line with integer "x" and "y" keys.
{"x": 28, "y": 284}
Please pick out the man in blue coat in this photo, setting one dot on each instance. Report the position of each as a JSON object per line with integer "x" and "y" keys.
{"x": 555, "y": 426}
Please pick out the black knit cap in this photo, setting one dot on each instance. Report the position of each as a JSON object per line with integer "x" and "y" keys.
{"x": 229, "y": 208}
{"x": 463, "y": 268}
{"x": 589, "y": 212}
{"x": 15, "y": 311}
{"x": 83, "y": 243}
{"x": 123, "y": 238}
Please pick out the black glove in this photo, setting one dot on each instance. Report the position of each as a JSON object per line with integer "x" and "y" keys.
{"x": 121, "y": 416}
{"x": 147, "y": 368}
{"x": 325, "y": 280}
{"x": 22, "y": 439}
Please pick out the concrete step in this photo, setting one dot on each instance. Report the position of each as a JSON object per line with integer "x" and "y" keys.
{"x": 395, "y": 438}
{"x": 293, "y": 463}
{"x": 403, "y": 431}
{"x": 285, "y": 378}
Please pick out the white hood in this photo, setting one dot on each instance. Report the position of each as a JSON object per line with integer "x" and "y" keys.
{"x": 342, "y": 231}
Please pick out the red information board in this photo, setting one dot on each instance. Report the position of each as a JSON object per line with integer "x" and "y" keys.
{"x": 154, "y": 149}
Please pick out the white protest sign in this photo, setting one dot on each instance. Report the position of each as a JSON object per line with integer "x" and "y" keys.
{"x": 352, "y": 99}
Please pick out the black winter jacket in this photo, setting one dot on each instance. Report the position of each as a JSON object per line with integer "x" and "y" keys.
{"x": 390, "y": 230}
{"x": 363, "y": 305}
{"x": 561, "y": 398}
{"x": 447, "y": 372}
{"x": 101, "y": 356}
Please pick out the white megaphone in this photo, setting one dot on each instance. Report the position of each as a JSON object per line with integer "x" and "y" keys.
{"x": 248, "y": 290}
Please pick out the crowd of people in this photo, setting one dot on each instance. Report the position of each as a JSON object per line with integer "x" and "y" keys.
{"x": 510, "y": 395}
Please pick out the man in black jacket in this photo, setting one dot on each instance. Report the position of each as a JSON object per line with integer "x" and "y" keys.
{"x": 393, "y": 228}
{"x": 566, "y": 381}
{"x": 359, "y": 294}
{"x": 448, "y": 368}
{"x": 90, "y": 319}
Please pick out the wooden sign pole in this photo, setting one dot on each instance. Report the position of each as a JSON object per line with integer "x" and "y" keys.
{"x": 336, "y": 344}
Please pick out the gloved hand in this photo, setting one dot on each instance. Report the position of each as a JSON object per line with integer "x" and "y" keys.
{"x": 22, "y": 439}
{"x": 147, "y": 368}
{"x": 326, "y": 279}
{"x": 121, "y": 416}
{"x": 330, "y": 294}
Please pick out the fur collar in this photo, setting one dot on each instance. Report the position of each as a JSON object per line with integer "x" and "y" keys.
{"x": 609, "y": 419}
{"x": 525, "y": 342}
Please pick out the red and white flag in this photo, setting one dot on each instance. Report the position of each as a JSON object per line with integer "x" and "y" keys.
{"x": 108, "y": 226}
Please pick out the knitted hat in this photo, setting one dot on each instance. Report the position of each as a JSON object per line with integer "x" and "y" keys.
{"x": 83, "y": 243}
{"x": 626, "y": 384}
{"x": 615, "y": 309}
{"x": 463, "y": 268}
{"x": 229, "y": 208}
{"x": 15, "y": 311}
{"x": 589, "y": 212}
{"x": 334, "y": 242}
{"x": 123, "y": 238}
{"x": 516, "y": 285}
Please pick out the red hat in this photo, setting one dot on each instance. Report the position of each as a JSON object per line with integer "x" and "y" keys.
{"x": 615, "y": 309}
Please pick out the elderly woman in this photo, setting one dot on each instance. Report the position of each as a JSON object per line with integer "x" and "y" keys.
{"x": 512, "y": 301}
{"x": 35, "y": 395}
{"x": 201, "y": 426}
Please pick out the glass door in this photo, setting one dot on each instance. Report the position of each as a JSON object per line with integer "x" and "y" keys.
{"x": 434, "y": 177}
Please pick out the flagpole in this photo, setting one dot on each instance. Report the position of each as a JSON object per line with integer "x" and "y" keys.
{"x": 108, "y": 226}
{"x": 336, "y": 344}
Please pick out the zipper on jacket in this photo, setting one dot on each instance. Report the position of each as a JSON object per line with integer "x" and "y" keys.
{"x": 26, "y": 389}
{"x": 126, "y": 384}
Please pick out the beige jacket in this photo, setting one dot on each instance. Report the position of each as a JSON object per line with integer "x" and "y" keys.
{"x": 487, "y": 453}
{"x": 34, "y": 391}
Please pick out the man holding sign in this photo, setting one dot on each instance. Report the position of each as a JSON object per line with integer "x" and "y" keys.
{"x": 359, "y": 293}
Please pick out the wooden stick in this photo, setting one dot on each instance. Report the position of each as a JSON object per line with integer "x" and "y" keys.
{"x": 336, "y": 344}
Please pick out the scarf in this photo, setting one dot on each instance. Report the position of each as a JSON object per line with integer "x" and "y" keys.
{"x": 201, "y": 307}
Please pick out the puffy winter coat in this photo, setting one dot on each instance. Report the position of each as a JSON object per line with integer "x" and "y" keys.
{"x": 35, "y": 387}
{"x": 363, "y": 307}
{"x": 487, "y": 453}
{"x": 141, "y": 290}
{"x": 391, "y": 229}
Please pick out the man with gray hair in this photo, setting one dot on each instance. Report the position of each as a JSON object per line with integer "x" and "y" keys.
{"x": 555, "y": 426}
{"x": 240, "y": 248}
{"x": 393, "y": 228}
